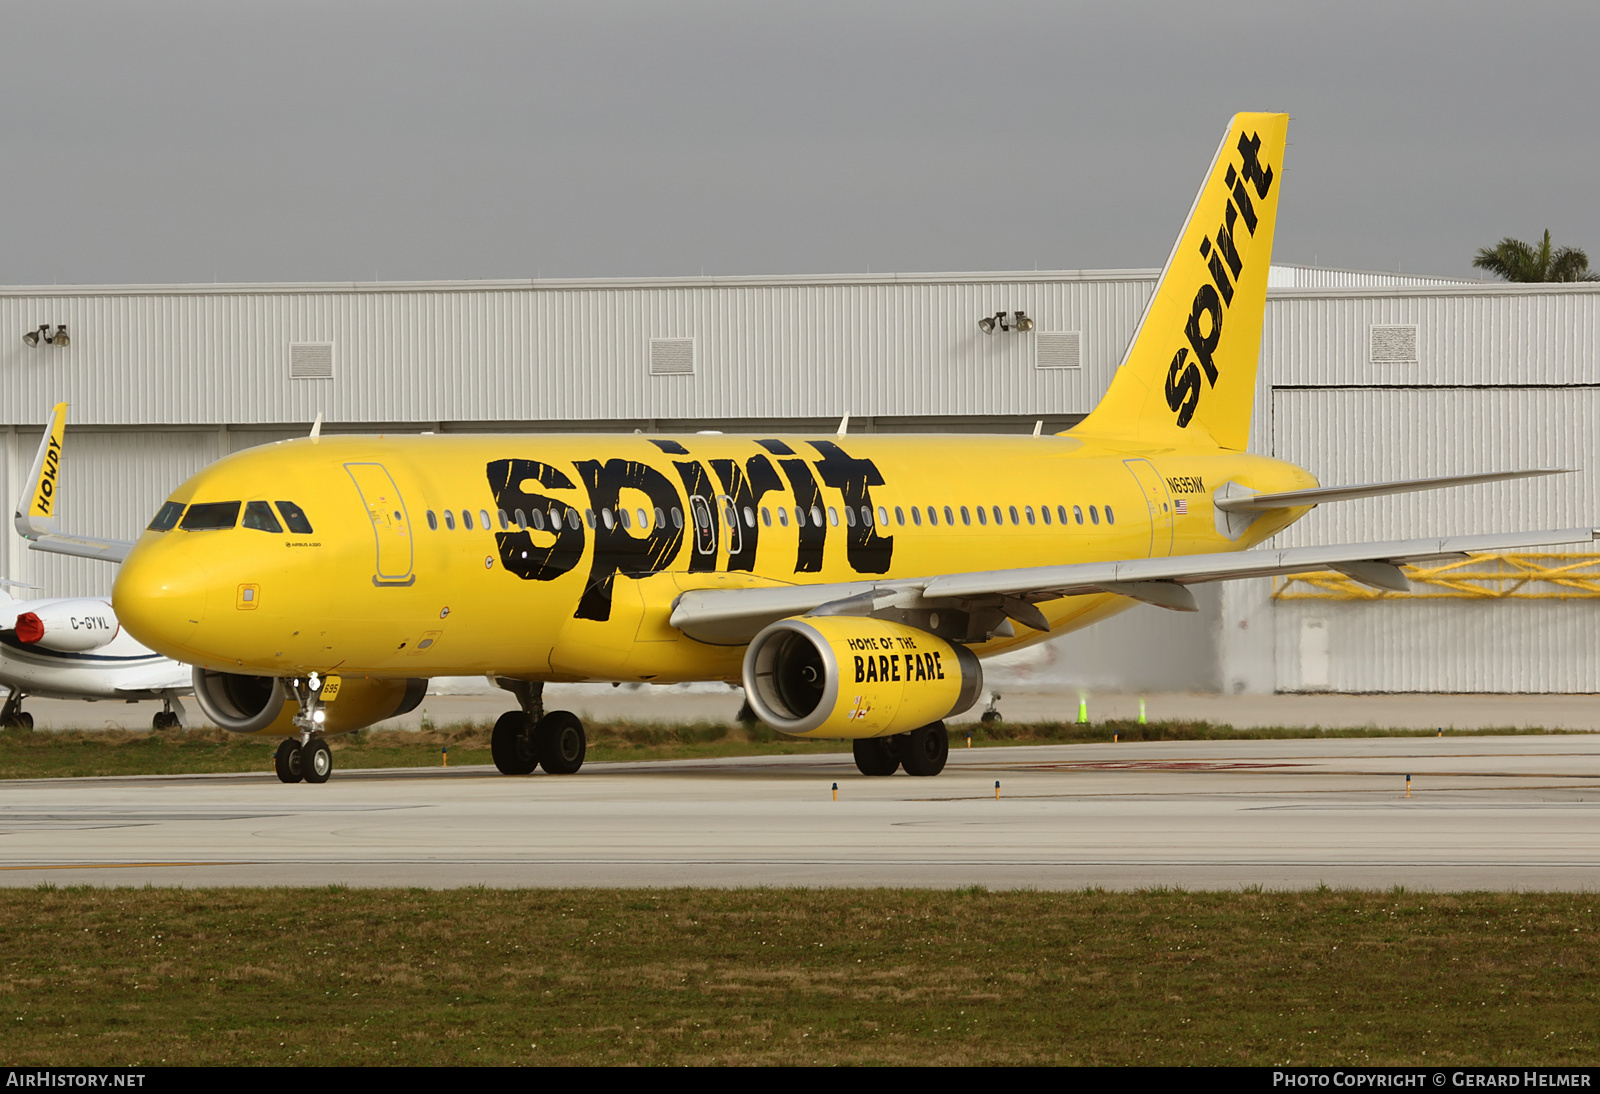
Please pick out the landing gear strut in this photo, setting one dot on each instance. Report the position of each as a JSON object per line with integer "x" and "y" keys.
{"x": 12, "y": 716}
{"x": 530, "y": 737}
{"x": 921, "y": 752}
{"x": 171, "y": 715}
{"x": 309, "y": 757}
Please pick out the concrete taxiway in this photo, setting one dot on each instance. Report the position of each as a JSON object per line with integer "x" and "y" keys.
{"x": 1483, "y": 813}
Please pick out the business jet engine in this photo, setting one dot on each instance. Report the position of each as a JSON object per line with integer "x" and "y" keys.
{"x": 851, "y": 677}
{"x": 262, "y": 704}
{"x": 66, "y": 626}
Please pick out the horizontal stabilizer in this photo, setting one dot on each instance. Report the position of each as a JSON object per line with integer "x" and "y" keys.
{"x": 1237, "y": 501}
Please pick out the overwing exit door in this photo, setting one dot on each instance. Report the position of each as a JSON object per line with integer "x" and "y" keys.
{"x": 391, "y": 526}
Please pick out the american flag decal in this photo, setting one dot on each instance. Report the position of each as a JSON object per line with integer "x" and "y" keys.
{"x": 1181, "y": 506}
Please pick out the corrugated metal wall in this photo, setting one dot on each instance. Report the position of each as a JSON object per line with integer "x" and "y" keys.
{"x": 569, "y": 352}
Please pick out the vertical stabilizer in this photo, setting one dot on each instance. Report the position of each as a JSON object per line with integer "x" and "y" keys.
{"x": 1188, "y": 379}
{"x": 36, "y": 509}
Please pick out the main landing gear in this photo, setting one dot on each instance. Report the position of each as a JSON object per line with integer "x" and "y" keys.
{"x": 529, "y": 738}
{"x": 171, "y": 715}
{"x": 12, "y": 716}
{"x": 307, "y": 758}
{"x": 921, "y": 752}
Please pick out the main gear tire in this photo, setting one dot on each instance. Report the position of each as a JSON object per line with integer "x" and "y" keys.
{"x": 561, "y": 741}
{"x": 288, "y": 762}
{"x": 513, "y": 745}
{"x": 925, "y": 750}
{"x": 876, "y": 755}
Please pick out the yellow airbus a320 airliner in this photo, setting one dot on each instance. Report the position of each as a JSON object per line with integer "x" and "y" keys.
{"x": 852, "y": 584}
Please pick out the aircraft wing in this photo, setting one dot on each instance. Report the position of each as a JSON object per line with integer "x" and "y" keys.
{"x": 35, "y": 514}
{"x": 166, "y": 676}
{"x": 731, "y": 616}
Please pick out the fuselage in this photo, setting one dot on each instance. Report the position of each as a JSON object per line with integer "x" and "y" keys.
{"x": 551, "y": 557}
{"x": 118, "y": 668}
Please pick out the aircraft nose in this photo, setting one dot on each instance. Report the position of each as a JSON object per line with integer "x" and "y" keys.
{"x": 158, "y": 599}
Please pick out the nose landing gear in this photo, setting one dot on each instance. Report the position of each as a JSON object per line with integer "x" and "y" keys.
{"x": 309, "y": 757}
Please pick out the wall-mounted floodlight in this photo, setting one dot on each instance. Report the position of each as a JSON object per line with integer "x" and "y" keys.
{"x": 59, "y": 338}
{"x": 1013, "y": 321}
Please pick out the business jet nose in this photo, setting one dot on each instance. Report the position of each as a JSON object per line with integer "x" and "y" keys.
{"x": 159, "y": 599}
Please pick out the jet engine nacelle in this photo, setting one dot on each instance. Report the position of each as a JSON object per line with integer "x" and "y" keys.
{"x": 262, "y": 704}
{"x": 846, "y": 676}
{"x": 68, "y": 626}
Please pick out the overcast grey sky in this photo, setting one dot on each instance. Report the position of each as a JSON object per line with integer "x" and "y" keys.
{"x": 178, "y": 142}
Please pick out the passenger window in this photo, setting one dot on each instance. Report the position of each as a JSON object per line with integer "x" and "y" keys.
{"x": 433, "y": 521}
{"x": 933, "y": 516}
{"x": 538, "y": 520}
{"x": 1027, "y": 511}
{"x": 607, "y": 519}
{"x": 466, "y": 519}
{"x": 1044, "y": 511}
{"x": 816, "y": 516}
{"x": 505, "y": 521}
{"x": 983, "y": 515}
{"x": 849, "y": 516}
{"x": 883, "y": 515}
{"x": 259, "y": 515}
{"x": 1094, "y": 515}
{"x": 295, "y": 518}
{"x": 677, "y": 517}
{"x": 866, "y": 515}
{"x": 661, "y": 518}
{"x": 1077, "y": 514}
{"x": 573, "y": 521}
{"x": 783, "y": 517}
{"x": 167, "y": 517}
{"x": 1014, "y": 519}
{"x": 1061, "y": 511}
{"x": 766, "y": 516}
{"x": 800, "y": 517}
{"x": 900, "y": 516}
{"x": 749, "y": 517}
{"x": 449, "y": 520}
{"x": 949, "y": 517}
{"x": 833, "y": 516}
{"x": 966, "y": 515}
{"x": 916, "y": 516}
{"x": 522, "y": 519}
{"x": 644, "y": 519}
{"x": 483, "y": 519}
{"x": 1110, "y": 519}
{"x": 211, "y": 515}
{"x": 998, "y": 519}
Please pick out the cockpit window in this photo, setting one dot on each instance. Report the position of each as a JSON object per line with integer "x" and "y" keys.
{"x": 210, "y": 515}
{"x": 295, "y": 518}
{"x": 167, "y": 518}
{"x": 259, "y": 515}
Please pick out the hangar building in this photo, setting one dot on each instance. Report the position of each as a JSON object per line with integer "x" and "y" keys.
{"x": 1365, "y": 377}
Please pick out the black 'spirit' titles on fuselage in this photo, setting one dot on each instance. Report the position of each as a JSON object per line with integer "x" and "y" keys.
{"x": 1203, "y": 329}
{"x": 617, "y": 549}
{"x": 517, "y": 551}
{"x": 635, "y": 550}
{"x": 745, "y": 489}
{"x": 868, "y": 552}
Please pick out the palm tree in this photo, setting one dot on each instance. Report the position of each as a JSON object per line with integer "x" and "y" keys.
{"x": 1515, "y": 260}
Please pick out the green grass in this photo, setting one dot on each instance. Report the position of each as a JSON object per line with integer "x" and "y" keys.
{"x": 368, "y": 977}
{"x": 45, "y": 754}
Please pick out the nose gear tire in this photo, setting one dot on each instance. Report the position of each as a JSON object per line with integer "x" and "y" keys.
{"x": 561, "y": 742}
{"x": 316, "y": 760}
{"x": 287, "y": 762}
